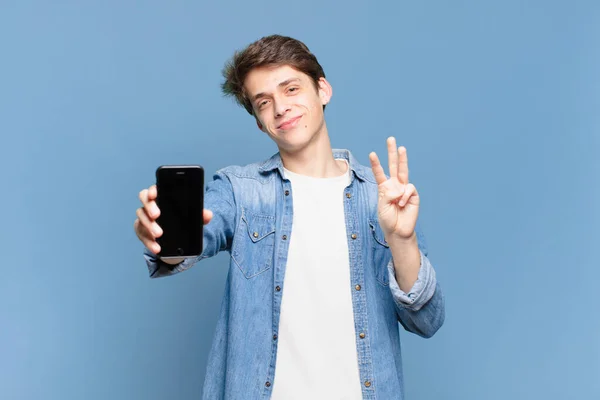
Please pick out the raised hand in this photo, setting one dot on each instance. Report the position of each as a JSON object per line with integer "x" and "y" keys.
{"x": 398, "y": 204}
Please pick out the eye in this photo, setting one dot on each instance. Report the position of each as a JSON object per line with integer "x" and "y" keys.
{"x": 262, "y": 103}
{"x": 292, "y": 90}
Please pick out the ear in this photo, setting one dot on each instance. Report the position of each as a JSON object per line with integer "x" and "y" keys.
{"x": 325, "y": 91}
{"x": 259, "y": 124}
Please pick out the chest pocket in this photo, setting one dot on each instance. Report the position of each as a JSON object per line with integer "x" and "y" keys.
{"x": 381, "y": 254}
{"x": 253, "y": 244}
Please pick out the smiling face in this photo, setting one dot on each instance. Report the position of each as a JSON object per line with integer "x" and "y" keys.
{"x": 287, "y": 105}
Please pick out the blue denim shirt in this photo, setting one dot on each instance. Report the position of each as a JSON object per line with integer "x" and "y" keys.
{"x": 252, "y": 220}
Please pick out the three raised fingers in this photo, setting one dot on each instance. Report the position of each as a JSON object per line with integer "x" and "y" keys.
{"x": 397, "y": 160}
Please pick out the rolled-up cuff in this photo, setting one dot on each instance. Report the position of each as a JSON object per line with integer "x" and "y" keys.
{"x": 158, "y": 268}
{"x": 422, "y": 290}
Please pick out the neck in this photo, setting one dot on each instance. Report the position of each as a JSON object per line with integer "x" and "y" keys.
{"x": 315, "y": 159}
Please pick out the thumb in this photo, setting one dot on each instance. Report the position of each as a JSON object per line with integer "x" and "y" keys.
{"x": 207, "y": 215}
{"x": 389, "y": 192}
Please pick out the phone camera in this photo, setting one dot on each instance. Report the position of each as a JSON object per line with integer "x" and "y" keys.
{"x": 180, "y": 251}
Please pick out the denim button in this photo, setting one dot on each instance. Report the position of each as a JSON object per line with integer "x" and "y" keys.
{"x": 354, "y": 236}
{"x": 287, "y": 192}
{"x": 368, "y": 384}
{"x": 357, "y": 287}
{"x": 362, "y": 335}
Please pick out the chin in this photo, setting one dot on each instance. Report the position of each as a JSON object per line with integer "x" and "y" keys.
{"x": 295, "y": 144}
{"x": 293, "y": 139}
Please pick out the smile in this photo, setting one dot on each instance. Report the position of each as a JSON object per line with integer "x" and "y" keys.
{"x": 290, "y": 123}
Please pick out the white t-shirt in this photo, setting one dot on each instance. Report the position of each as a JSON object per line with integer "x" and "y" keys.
{"x": 316, "y": 355}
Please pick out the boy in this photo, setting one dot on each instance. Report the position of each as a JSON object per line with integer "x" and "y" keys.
{"x": 325, "y": 255}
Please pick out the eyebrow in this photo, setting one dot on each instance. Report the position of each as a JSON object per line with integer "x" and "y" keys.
{"x": 281, "y": 84}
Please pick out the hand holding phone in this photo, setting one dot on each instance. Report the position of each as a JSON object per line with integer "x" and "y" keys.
{"x": 149, "y": 227}
{"x": 180, "y": 198}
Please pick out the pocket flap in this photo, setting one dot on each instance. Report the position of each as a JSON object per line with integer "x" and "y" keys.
{"x": 258, "y": 226}
{"x": 378, "y": 232}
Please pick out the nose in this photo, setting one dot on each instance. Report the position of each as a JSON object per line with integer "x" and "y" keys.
{"x": 281, "y": 108}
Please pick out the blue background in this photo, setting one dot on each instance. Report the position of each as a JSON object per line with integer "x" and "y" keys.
{"x": 497, "y": 102}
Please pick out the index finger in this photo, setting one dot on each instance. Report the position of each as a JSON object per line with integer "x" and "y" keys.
{"x": 152, "y": 192}
{"x": 149, "y": 204}
{"x": 377, "y": 168}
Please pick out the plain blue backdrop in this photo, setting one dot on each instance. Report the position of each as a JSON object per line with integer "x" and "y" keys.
{"x": 497, "y": 102}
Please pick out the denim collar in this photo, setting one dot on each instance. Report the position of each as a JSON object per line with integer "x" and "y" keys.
{"x": 275, "y": 163}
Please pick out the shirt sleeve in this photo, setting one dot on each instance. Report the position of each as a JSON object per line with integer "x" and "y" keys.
{"x": 422, "y": 290}
{"x": 158, "y": 268}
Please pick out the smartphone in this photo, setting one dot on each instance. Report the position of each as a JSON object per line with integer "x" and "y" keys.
{"x": 180, "y": 198}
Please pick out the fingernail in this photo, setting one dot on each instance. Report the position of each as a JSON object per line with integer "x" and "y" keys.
{"x": 157, "y": 230}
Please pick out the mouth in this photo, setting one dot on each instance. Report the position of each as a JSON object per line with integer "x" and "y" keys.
{"x": 290, "y": 123}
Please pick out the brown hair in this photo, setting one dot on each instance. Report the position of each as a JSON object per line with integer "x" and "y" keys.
{"x": 274, "y": 50}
